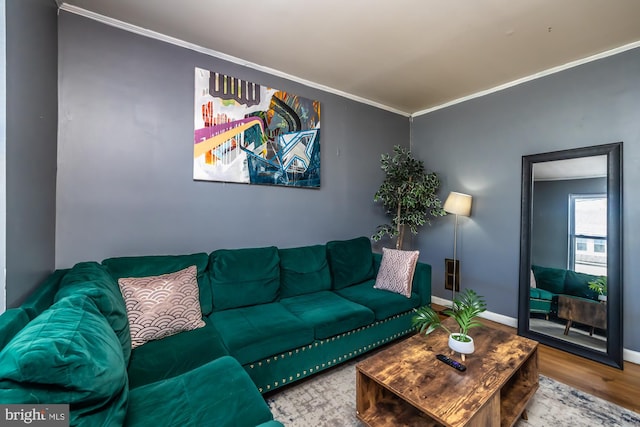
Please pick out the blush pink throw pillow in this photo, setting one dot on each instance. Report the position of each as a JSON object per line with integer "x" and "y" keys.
{"x": 396, "y": 271}
{"x": 159, "y": 306}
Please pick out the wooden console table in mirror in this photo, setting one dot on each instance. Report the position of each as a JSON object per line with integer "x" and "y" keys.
{"x": 582, "y": 311}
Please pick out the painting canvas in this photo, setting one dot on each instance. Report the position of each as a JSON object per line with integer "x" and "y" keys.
{"x": 248, "y": 133}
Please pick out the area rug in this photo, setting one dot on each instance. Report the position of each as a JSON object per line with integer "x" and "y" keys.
{"x": 328, "y": 400}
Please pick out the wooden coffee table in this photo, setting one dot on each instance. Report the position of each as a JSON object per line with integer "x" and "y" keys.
{"x": 405, "y": 385}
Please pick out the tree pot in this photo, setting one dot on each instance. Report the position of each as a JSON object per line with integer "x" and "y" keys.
{"x": 461, "y": 346}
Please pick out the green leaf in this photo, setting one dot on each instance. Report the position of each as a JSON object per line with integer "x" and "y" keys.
{"x": 407, "y": 185}
{"x": 426, "y": 320}
{"x": 466, "y": 307}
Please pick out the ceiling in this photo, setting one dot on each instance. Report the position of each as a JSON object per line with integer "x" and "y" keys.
{"x": 408, "y": 56}
{"x": 577, "y": 168}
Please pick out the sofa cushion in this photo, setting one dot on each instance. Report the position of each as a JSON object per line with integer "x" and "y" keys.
{"x": 155, "y": 265}
{"x": 260, "y": 331}
{"x": 396, "y": 271}
{"x": 351, "y": 261}
{"x": 219, "y": 393}
{"x": 549, "y": 279}
{"x": 303, "y": 270}
{"x": 577, "y": 284}
{"x": 244, "y": 277}
{"x": 160, "y": 306}
{"x": 539, "y": 306}
{"x": 11, "y": 322}
{"x": 383, "y": 303}
{"x": 174, "y": 355}
{"x": 94, "y": 281}
{"x": 68, "y": 354}
{"x": 541, "y": 294}
{"x": 328, "y": 313}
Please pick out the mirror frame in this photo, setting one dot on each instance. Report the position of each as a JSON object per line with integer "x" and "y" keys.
{"x": 614, "y": 354}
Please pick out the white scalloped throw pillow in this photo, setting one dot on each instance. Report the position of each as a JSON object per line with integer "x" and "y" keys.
{"x": 396, "y": 271}
{"x": 159, "y": 306}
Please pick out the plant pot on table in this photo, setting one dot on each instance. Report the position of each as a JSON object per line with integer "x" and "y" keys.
{"x": 462, "y": 347}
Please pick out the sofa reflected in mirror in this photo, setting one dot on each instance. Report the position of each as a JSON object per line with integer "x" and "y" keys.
{"x": 563, "y": 305}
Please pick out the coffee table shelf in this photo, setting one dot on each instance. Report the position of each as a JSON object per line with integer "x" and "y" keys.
{"x": 405, "y": 385}
{"x": 385, "y": 409}
{"x": 520, "y": 388}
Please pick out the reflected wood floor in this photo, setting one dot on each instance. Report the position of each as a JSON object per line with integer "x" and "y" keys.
{"x": 621, "y": 387}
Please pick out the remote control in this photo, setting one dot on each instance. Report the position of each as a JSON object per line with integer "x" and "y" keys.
{"x": 457, "y": 365}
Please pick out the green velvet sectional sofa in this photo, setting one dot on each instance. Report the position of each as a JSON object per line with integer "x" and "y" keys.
{"x": 551, "y": 282}
{"x": 271, "y": 317}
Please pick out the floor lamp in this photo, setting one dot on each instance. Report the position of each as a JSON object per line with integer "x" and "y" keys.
{"x": 457, "y": 204}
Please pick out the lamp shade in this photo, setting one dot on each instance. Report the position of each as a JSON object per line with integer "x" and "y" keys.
{"x": 458, "y": 203}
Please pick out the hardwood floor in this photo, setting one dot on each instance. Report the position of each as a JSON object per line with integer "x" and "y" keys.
{"x": 621, "y": 387}
{"x": 618, "y": 386}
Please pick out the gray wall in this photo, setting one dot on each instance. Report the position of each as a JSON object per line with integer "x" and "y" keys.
{"x": 477, "y": 147}
{"x": 125, "y": 156}
{"x": 549, "y": 243}
{"x": 3, "y": 150}
{"x": 32, "y": 120}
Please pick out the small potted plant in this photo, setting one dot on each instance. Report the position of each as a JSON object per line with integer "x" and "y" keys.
{"x": 600, "y": 286}
{"x": 466, "y": 307}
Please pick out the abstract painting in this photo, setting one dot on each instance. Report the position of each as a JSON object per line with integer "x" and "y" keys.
{"x": 248, "y": 133}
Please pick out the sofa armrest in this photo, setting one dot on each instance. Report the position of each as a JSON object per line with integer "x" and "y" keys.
{"x": 422, "y": 282}
{"x": 377, "y": 260}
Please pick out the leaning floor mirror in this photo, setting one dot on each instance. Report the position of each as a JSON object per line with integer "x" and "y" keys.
{"x": 571, "y": 251}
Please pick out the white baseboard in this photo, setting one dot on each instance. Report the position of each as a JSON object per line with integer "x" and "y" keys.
{"x": 628, "y": 355}
{"x": 440, "y": 301}
{"x": 631, "y": 356}
{"x": 500, "y": 318}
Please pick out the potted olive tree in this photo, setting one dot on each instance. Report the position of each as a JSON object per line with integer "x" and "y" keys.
{"x": 466, "y": 307}
{"x": 408, "y": 194}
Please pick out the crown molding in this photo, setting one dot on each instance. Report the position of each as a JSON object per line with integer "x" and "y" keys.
{"x": 535, "y": 76}
{"x": 210, "y": 52}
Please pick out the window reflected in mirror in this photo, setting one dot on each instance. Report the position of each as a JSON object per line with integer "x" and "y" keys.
{"x": 588, "y": 233}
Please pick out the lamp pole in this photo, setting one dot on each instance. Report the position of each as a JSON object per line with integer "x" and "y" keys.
{"x": 455, "y": 261}
{"x": 457, "y": 204}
